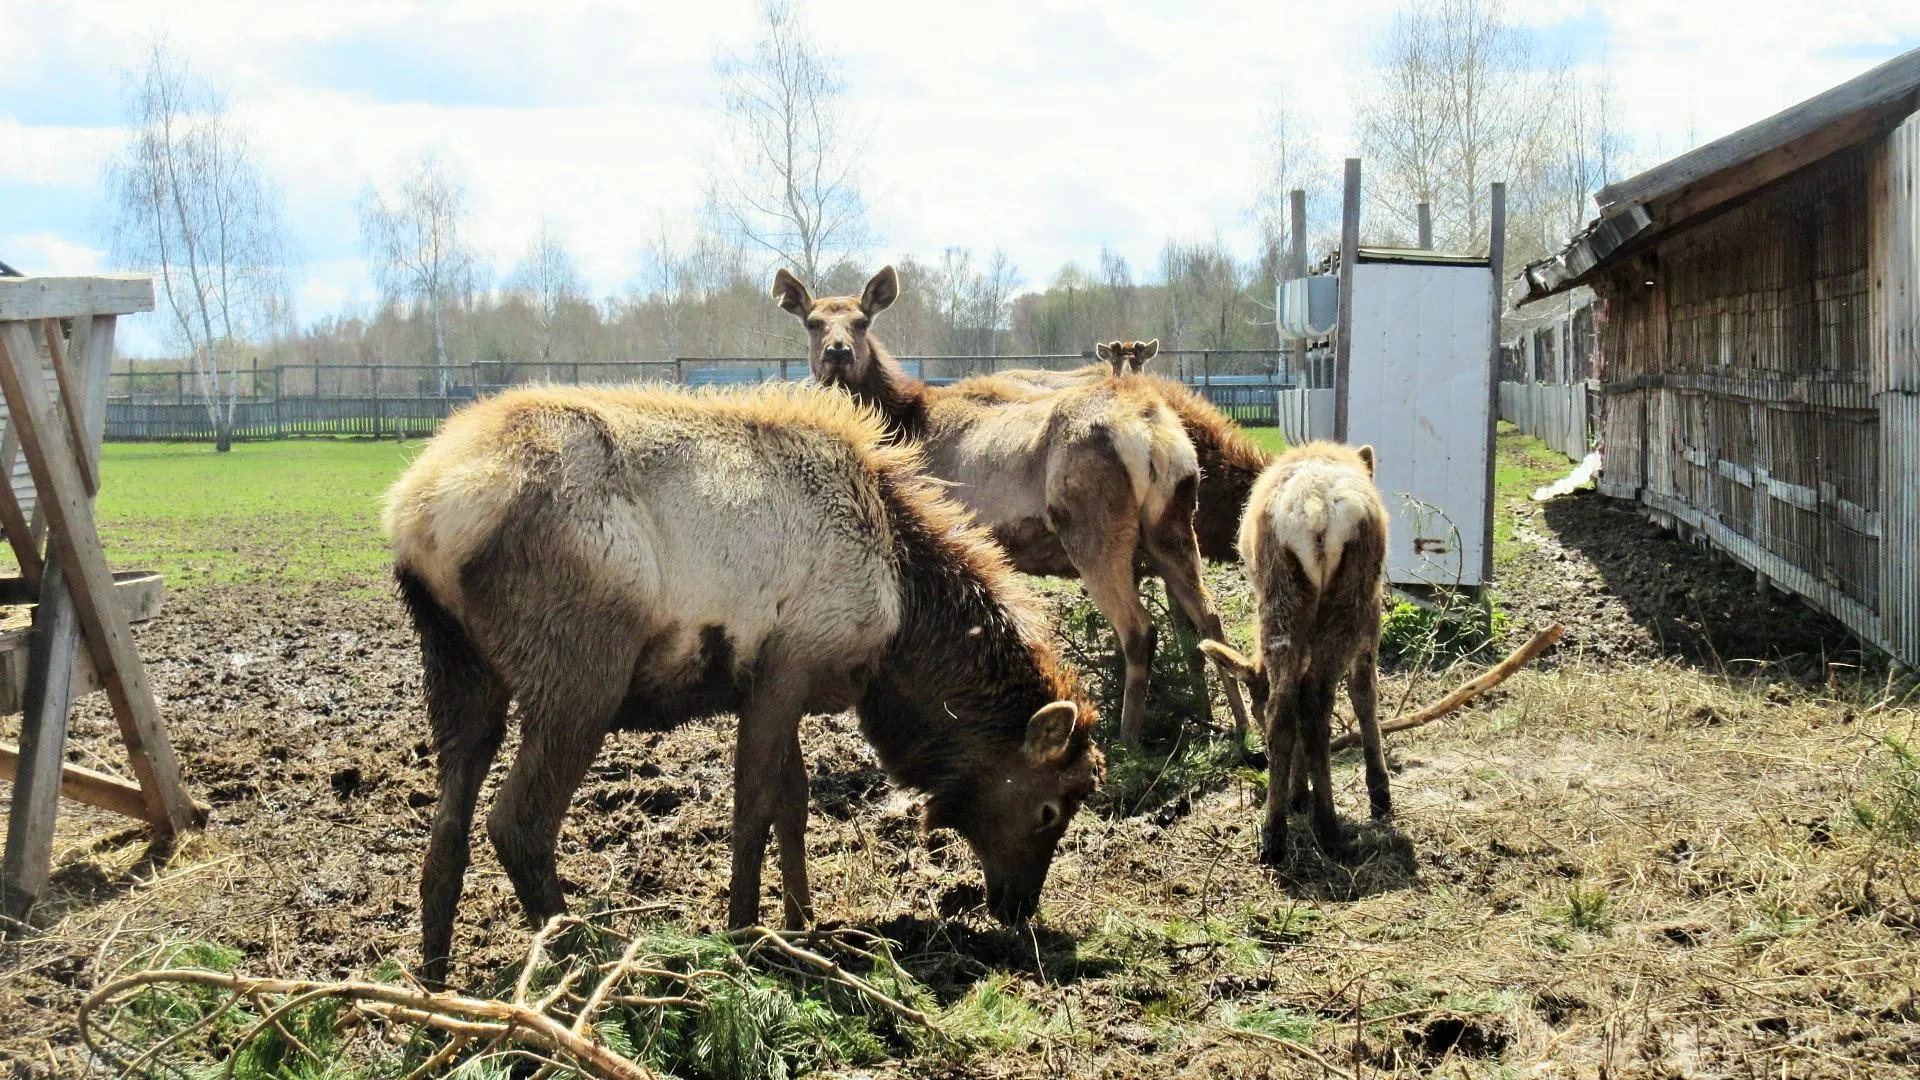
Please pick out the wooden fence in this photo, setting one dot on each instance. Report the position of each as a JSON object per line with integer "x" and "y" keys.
{"x": 1554, "y": 413}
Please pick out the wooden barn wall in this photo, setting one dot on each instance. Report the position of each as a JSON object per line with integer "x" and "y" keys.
{"x": 1741, "y": 400}
{"x": 1894, "y": 213}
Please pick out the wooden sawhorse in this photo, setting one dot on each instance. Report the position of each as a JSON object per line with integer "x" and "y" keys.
{"x": 58, "y": 428}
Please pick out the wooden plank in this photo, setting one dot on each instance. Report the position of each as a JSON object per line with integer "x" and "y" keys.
{"x": 32, "y": 298}
{"x": 72, "y": 394}
{"x": 80, "y": 784}
{"x": 1349, "y": 262}
{"x": 1890, "y": 86}
{"x": 77, "y": 541}
{"x": 20, "y": 532}
{"x": 138, "y": 591}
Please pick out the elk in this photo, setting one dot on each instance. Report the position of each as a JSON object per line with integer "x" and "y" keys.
{"x": 1079, "y": 482}
{"x": 636, "y": 558}
{"x": 1127, "y": 357}
{"x": 1314, "y": 540}
{"x": 1229, "y": 463}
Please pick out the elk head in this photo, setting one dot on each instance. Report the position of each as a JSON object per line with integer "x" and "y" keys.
{"x": 1127, "y": 357}
{"x": 1014, "y": 815}
{"x": 839, "y": 350}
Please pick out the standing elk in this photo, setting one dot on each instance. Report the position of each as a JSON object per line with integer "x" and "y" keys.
{"x": 1315, "y": 543}
{"x": 620, "y": 559}
{"x": 1078, "y": 482}
{"x": 1229, "y": 462}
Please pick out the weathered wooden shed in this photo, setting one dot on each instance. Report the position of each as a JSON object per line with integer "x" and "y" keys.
{"x": 1759, "y": 352}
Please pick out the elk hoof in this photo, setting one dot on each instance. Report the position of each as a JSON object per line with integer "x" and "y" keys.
{"x": 1273, "y": 846}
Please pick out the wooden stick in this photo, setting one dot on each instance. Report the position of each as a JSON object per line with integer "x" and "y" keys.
{"x": 84, "y": 785}
{"x": 1488, "y": 679}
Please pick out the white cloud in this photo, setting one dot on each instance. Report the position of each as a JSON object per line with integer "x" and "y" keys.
{"x": 47, "y": 253}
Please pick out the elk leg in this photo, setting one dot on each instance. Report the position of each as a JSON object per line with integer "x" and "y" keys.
{"x": 1176, "y": 555}
{"x": 790, "y": 828}
{"x": 1362, "y": 687}
{"x": 1283, "y": 762}
{"x": 469, "y": 720}
{"x": 1315, "y": 721}
{"x": 556, "y": 747}
{"x": 1120, "y": 603}
{"x": 769, "y": 736}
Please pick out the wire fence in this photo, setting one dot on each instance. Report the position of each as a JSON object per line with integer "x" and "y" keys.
{"x": 410, "y": 400}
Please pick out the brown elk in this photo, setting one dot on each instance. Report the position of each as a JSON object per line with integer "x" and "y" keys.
{"x": 1229, "y": 462}
{"x": 1077, "y": 482}
{"x": 1127, "y": 357}
{"x": 631, "y": 558}
{"x": 1314, "y": 540}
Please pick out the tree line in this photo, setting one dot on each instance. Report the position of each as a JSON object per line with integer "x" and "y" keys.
{"x": 1458, "y": 96}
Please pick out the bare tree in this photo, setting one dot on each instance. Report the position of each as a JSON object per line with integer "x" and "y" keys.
{"x": 790, "y": 185}
{"x": 1460, "y": 100}
{"x": 548, "y": 278}
{"x": 1292, "y": 158}
{"x": 415, "y": 243}
{"x": 193, "y": 207}
{"x": 996, "y": 285}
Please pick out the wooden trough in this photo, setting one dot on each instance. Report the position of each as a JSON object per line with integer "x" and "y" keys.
{"x": 56, "y": 345}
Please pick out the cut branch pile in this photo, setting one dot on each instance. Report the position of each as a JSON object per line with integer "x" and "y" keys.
{"x": 554, "y": 1016}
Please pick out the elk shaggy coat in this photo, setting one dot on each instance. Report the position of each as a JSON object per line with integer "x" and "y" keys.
{"x": 1080, "y": 482}
{"x": 1315, "y": 544}
{"x": 1229, "y": 461}
{"x": 635, "y": 558}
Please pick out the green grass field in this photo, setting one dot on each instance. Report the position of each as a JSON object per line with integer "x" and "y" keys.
{"x": 308, "y": 511}
{"x": 290, "y": 513}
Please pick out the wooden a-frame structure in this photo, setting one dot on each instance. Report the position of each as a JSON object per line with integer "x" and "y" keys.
{"x": 56, "y": 346}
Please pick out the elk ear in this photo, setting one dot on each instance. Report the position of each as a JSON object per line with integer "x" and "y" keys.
{"x": 881, "y": 291}
{"x": 791, "y": 293}
{"x": 1231, "y": 660}
{"x": 1366, "y": 457}
{"x": 1148, "y": 350}
{"x": 1049, "y": 730}
{"x": 1104, "y": 350}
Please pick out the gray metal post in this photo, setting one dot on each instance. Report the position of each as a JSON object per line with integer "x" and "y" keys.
{"x": 1349, "y": 258}
{"x": 1425, "y": 211}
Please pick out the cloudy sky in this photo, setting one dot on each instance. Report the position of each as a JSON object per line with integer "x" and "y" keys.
{"x": 1045, "y": 127}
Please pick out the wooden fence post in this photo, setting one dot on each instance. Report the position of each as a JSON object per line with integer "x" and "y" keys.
{"x": 1496, "y": 257}
{"x": 1349, "y": 262}
{"x": 376, "y": 402}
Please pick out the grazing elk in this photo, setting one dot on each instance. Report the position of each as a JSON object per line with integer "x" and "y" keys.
{"x": 632, "y": 558}
{"x": 1229, "y": 462}
{"x": 1077, "y": 482}
{"x": 1315, "y": 543}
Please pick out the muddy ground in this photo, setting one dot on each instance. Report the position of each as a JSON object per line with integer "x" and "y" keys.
{"x": 1688, "y": 758}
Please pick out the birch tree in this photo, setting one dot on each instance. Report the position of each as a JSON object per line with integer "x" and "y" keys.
{"x": 193, "y": 207}
{"x": 548, "y": 278}
{"x": 413, "y": 240}
{"x": 788, "y": 185}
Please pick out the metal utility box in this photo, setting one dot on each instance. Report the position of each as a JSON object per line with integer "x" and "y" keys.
{"x": 1418, "y": 389}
